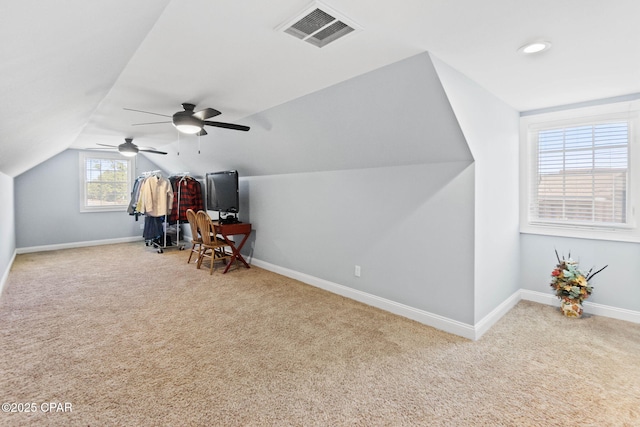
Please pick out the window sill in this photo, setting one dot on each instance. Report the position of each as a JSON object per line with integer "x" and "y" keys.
{"x": 106, "y": 209}
{"x": 616, "y": 235}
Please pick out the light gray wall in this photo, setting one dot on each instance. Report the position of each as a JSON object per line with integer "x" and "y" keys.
{"x": 47, "y": 206}
{"x": 410, "y": 229}
{"x": 491, "y": 129}
{"x": 7, "y": 226}
{"x": 617, "y": 286}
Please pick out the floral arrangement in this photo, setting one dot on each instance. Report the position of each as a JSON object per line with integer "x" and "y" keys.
{"x": 569, "y": 282}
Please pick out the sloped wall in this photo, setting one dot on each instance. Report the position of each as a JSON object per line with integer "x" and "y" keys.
{"x": 392, "y": 116}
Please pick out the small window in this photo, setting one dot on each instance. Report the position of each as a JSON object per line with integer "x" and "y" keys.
{"x": 578, "y": 174}
{"x": 105, "y": 182}
{"x": 581, "y": 175}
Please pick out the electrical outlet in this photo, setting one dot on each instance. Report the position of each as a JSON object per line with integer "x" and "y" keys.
{"x": 357, "y": 271}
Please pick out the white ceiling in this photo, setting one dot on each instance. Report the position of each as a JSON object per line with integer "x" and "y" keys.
{"x": 69, "y": 68}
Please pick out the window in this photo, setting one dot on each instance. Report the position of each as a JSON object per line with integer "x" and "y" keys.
{"x": 578, "y": 174}
{"x": 105, "y": 182}
{"x": 581, "y": 174}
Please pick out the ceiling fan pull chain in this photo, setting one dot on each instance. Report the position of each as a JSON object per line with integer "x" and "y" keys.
{"x": 178, "y": 143}
{"x": 198, "y": 143}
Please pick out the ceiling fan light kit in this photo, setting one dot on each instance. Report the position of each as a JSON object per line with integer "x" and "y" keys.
{"x": 188, "y": 121}
{"x": 129, "y": 149}
{"x": 193, "y": 122}
{"x": 185, "y": 122}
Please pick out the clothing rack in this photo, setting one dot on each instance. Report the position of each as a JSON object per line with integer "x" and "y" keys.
{"x": 159, "y": 224}
{"x": 188, "y": 191}
{"x": 164, "y": 217}
{"x": 188, "y": 195}
{"x": 184, "y": 176}
{"x": 166, "y": 231}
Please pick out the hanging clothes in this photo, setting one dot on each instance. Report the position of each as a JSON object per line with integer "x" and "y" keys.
{"x": 152, "y": 196}
{"x": 156, "y": 196}
{"x": 187, "y": 193}
{"x": 153, "y": 228}
{"x": 135, "y": 195}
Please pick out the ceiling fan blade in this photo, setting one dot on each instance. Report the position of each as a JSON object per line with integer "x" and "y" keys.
{"x": 149, "y": 123}
{"x": 153, "y": 151}
{"x": 207, "y": 113}
{"x": 107, "y": 145}
{"x": 146, "y": 112}
{"x": 227, "y": 125}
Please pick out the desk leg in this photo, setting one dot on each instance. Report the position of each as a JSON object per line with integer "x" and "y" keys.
{"x": 236, "y": 252}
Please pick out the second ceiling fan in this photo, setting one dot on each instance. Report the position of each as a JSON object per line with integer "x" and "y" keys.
{"x": 192, "y": 122}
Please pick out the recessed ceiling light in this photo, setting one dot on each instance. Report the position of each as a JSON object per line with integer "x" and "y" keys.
{"x": 535, "y": 47}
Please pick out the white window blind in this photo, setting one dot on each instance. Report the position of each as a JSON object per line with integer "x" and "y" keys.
{"x": 581, "y": 175}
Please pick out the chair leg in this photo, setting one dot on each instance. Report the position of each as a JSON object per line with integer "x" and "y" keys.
{"x": 191, "y": 253}
{"x": 199, "y": 249}
{"x": 200, "y": 258}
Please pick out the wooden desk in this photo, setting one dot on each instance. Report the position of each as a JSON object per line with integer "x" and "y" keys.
{"x": 226, "y": 230}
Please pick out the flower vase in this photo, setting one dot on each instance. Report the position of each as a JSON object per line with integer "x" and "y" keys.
{"x": 571, "y": 307}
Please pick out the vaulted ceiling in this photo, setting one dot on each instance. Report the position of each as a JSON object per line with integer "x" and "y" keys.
{"x": 70, "y": 68}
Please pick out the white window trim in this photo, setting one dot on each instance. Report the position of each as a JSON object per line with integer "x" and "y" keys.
{"x": 83, "y": 155}
{"x": 628, "y": 111}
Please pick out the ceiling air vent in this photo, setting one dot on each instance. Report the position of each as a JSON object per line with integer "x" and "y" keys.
{"x": 318, "y": 25}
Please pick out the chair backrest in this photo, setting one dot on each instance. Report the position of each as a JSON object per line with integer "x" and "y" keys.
{"x": 191, "y": 217}
{"x": 206, "y": 228}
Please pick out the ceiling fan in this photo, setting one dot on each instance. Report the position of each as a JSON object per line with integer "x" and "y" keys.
{"x": 130, "y": 149}
{"x": 193, "y": 122}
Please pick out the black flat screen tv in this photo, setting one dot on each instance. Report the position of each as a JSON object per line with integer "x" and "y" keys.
{"x": 222, "y": 193}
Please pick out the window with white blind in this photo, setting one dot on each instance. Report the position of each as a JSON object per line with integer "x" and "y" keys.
{"x": 579, "y": 174}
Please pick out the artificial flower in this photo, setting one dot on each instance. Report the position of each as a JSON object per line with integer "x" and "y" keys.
{"x": 569, "y": 282}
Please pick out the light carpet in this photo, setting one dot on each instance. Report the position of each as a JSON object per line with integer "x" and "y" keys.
{"x": 126, "y": 336}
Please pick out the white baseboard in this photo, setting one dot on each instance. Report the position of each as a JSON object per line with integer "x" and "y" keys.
{"x": 78, "y": 244}
{"x": 465, "y": 330}
{"x": 439, "y": 322}
{"x": 496, "y": 314}
{"x": 588, "y": 306}
{"x": 472, "y": 332}
{"x": 5, "y": 276}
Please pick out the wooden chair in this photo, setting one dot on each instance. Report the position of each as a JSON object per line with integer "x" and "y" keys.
{"x": 212, "y": 248}
{"x": 196, "y": 239}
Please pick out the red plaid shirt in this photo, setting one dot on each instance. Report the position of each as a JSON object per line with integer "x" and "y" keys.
{"x": 187, "y": 194}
